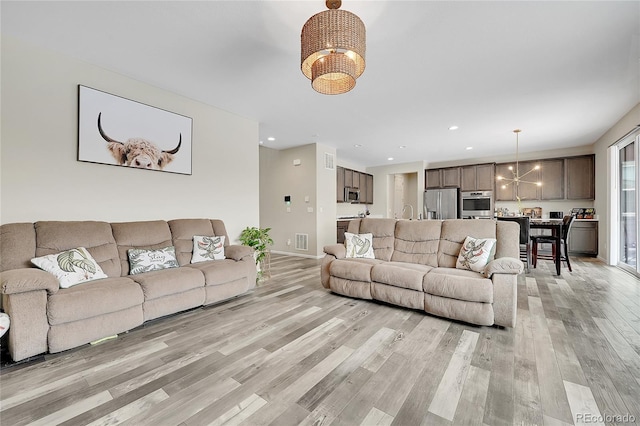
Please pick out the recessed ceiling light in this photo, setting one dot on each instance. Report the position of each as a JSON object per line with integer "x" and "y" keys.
{"x": 469, "y": 148}
{"x": 402, "y": 146}
{"x": 453, "y": 128}
{"x": 357, "y": 145}
{"x": 390, "y": 158}
{"x": 271, "y": 138}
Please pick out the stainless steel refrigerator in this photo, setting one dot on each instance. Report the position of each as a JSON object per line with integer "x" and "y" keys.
{"x": 442, "y": 203}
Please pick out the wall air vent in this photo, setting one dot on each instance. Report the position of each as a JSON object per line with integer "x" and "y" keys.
{"x": 328, "y": 161}
{"x": 302, "y": 242}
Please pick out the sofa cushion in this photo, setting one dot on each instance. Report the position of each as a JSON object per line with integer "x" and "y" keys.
{"x": 358, "y": 246}
{"x": 183, "y": 231}
{"x": 458, "y": 284}
{"x": 17, "y": 245}
{"x": 207, "y": 248}
{"x": 153, "y": 234}
{"x": 453, "y": 234}
{"x": 146, "y": 260}
{"x": 353, "y": 269}
{"x": 93, "y": 299}
{"x": 383, "y": 234}
{"x": 475, "y": 253}
{"x": 400, "y": 274}
{"x": 54, "y": 237}
{"x": 217, "y": 272}
{"x": 162, "y": 283}
{"x": 417, "y": 242}
{"x": 70, "y": 267}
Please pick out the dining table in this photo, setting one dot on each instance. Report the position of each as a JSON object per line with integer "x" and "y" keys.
{"x": 555, "y": 225}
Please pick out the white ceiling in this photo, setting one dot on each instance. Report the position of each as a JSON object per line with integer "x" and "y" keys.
{"x": 564, "y": 72}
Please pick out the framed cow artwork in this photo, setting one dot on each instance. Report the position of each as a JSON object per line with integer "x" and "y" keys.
{"x": 118, "y": 131}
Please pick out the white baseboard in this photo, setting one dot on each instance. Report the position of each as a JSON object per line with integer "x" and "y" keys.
{"x": 308, "y": 256}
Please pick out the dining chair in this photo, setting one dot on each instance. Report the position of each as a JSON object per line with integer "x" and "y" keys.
{"x": 525, "y": 243}
{"x": 567, "y": 221}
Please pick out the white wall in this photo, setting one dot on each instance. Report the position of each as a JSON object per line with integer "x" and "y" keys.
{"x": 603, "y": 183}
{"x": 41, "y": 179}
{"x": 317, "y": 217}
{"x": 383, "y": 187}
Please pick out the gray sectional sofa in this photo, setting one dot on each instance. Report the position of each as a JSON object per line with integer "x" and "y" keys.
{"x": 47, "y": 318}
{"x": 415, "y": 267}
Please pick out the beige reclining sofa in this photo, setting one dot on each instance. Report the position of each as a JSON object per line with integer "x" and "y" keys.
{"x": 45, "y": 317}
{"x": 415, "y": 267}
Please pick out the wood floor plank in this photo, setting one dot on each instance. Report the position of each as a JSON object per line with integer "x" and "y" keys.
{"x": 291, "y": 352}
{"x": 583, "y": 406}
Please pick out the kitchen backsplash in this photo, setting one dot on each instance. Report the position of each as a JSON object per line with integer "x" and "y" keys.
{"x": 564, "y": 206}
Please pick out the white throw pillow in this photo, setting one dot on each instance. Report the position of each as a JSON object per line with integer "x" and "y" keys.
{"x": 207, "y": 248}
{"x": 359, "y": 245}
{"x": 143, "y": 260}
{"x": 70, "y": 267}
{"x": 475, "y": 253}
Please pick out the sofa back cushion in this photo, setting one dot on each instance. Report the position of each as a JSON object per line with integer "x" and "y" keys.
{"x": 182, "y": 233}
{"x": 453, "y": 234}
{"x": 153, "y": 234}
{"x": 417, "y": 242}
{"x": 383, "y": 234}
{"x": 17, "y": 245}
{"x": 55, "y": 237}
{"x": 508, "y": 235}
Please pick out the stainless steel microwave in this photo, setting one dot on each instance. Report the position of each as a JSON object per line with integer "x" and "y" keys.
{"x": 477, "y": 204}
{"x": 351, "y": 195}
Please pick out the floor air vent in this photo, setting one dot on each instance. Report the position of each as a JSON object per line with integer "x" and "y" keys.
{"x": 302, "y": 241}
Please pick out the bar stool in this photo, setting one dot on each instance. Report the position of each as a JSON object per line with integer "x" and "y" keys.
{"x": 567, "y": 221}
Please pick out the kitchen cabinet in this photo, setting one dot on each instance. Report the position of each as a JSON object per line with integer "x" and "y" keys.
{"x": 442, "y": 178}
{"x": 340, "y": 184}
{"x": 478, "y": 177}
{"x": 583, "y": 238}
{"x": 580, "y": 177}
{"x": 347, "y": 178}
{"x": 552, "y": 178}
{"x": 507, "y": 193}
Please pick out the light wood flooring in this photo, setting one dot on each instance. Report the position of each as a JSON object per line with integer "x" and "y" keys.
{"x": 293, "y": 353}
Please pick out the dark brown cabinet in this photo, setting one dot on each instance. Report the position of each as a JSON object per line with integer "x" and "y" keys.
{"x": 571, "y": 178}
{"x": 347, "y": 178}
{"x": 552, "y": 179}
{"x": 478, "y": 177}
{"x": 581, "y": 178}
{"x": 442, "y": 178}
{"x": 340, "y": 184}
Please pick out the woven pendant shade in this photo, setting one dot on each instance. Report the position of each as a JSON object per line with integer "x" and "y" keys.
{"x": 333, "y": 50}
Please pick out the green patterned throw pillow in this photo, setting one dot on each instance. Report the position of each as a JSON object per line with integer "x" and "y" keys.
{"x": 143, "y": 260}
{"x": 70, "y": 267}
{"x": 359, "y": 245}
{"x": 207, "y": 248}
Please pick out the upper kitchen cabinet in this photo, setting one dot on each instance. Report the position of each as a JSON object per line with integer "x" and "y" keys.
{"x": 478, "y": 177}
{"x": 347, "y": 178}
{"x": 552, "y": 178}
{"x": 526, "y": 189}
{"x": 340, "y": 184}
{"x": 508, "y": 192}
{"x": 580, "y": 173}
{"x": 442, "y": 178}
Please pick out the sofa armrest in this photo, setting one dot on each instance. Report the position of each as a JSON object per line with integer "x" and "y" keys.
{"x": 238, "y": 252}
{"x": 339, "y": 251}
{"x": 27, "y": 279}
{"x": 504, "y": 265}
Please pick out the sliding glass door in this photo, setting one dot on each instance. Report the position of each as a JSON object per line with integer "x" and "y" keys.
{"x": 627, "y": 207}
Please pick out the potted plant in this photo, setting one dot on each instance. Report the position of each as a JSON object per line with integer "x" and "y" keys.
{"x": 259, "y": 240}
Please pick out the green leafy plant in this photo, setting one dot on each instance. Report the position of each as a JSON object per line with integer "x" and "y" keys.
{"x": 258, "y": 239}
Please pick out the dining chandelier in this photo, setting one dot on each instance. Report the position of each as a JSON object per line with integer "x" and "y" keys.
{"x": 516, "y": 180}
{"x": 333, "y": 49}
